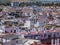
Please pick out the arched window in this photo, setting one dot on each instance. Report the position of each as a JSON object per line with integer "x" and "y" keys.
{"x": 14, "y": 31}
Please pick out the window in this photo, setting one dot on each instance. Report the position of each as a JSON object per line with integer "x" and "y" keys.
{"x": 16, "y": 41}
{"x": 23, "y": 28}
{"x": 14, "y": 31}
{"x": 49, "y": 36}
{"x": 45, "y": 35}
{"x": 11, "y": 30}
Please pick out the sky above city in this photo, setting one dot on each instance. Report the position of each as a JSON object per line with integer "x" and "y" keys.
{"x": 30, "y": 0}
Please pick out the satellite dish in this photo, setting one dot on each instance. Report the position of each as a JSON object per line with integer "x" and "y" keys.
{"x": 1, "y": 31}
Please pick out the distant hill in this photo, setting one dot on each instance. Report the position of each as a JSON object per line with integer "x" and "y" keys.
{"x": 5, "y": 0}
